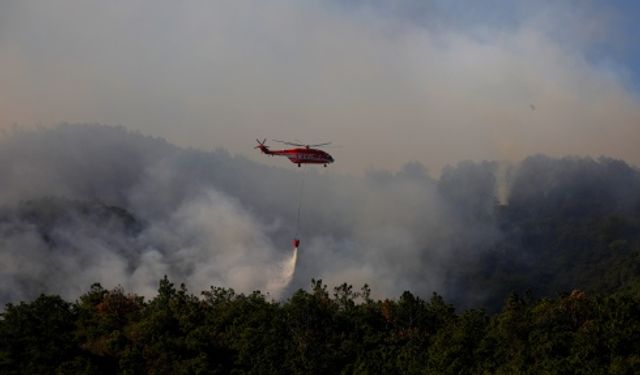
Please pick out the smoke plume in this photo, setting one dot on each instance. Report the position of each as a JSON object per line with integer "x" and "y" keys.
{"x": 90, "y": 203}
{"x": 93, "y": 203}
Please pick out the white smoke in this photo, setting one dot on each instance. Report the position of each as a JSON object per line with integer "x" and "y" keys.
{"x": 212, "y": 239}
{"x": 209, "y": 218}
{"x": 390, "y": 80}
{"x": 191, "y": 230}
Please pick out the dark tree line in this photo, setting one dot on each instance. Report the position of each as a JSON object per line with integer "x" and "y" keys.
{"x": 317, "y": 332}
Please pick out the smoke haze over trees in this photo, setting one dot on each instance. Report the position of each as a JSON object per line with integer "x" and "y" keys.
{"x": 92, "y": 203}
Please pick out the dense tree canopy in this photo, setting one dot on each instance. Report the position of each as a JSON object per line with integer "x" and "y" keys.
{"x": 317, "y": 332}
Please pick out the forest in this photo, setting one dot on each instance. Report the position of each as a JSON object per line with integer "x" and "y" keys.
{"x": 320, "y": 331}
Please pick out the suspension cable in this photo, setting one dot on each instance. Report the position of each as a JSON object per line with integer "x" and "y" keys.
{"x": 298, "y": 226}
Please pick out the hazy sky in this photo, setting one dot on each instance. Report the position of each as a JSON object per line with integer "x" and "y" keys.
{"x": 387, "y": 81}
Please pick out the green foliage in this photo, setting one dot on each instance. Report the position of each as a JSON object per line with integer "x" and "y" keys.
{"x": 103, "y": 327}
{"x": 317, "y": 332}
{"x": 37, "y": 337}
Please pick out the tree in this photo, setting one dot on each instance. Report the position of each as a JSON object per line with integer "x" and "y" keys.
{"x": 37, "y": 337}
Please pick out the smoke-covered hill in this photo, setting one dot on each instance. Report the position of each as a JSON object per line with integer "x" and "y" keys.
{"x": 91, "y": 203}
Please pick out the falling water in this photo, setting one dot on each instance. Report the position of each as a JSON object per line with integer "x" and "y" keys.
{"x": 283, "y": 274}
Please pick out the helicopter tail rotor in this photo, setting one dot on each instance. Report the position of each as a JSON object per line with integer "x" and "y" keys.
{"x": 263, "y": 147}
{"x": 261, "y": 144}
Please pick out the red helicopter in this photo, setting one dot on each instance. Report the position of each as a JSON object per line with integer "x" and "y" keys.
{"x": 303, "y": 154}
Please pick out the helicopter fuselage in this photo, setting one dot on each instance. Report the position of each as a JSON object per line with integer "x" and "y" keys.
{"x": 302, "y": 155}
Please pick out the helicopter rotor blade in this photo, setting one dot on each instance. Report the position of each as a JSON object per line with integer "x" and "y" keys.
{"x": 288, "y": 143}
{"x": 320, "y": 144}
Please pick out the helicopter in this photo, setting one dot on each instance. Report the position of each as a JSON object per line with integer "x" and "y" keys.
{"x": 302, "y": 154}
